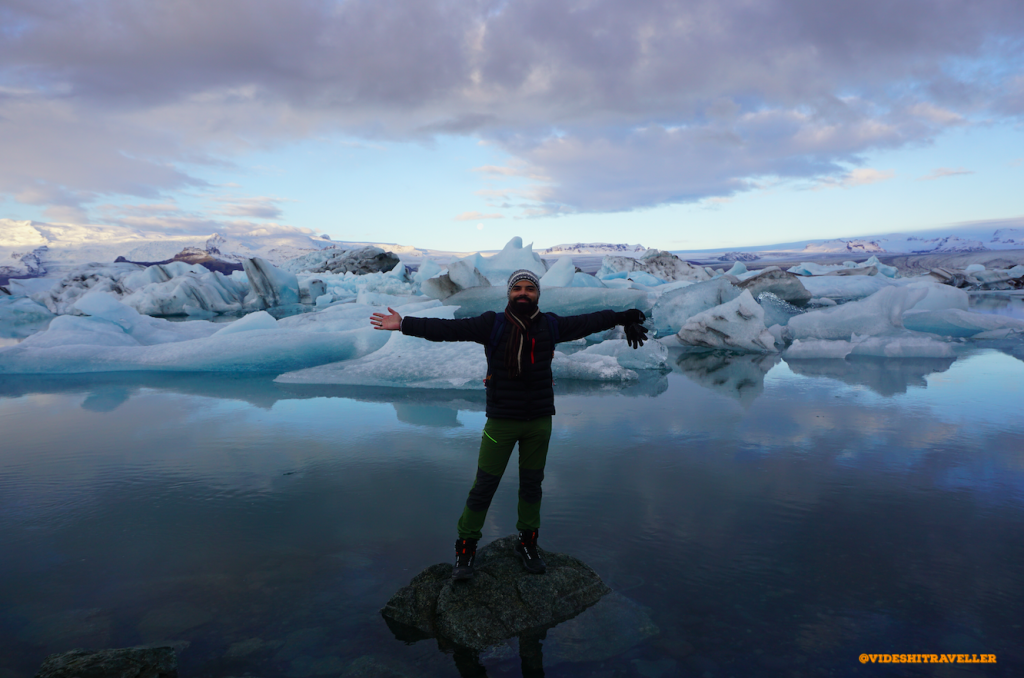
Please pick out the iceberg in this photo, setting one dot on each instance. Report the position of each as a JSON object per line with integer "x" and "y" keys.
{"x": 663, "y": 265}
{"x": 589, "y": 368}
{"x": 512, "y": 257}
{"x": 273, "y": 286}
{"x": 847, "y": 288}
{"x": 737, "y": 325}
{"x": 260, "y": 320}
{"x": 586, "y": 280}
{"x": 187, "y": 292}
{"x": 114, "y": 337}
{"x": 781, "y": 284}
{"x": 427, "y": 270}
{"x": 651, "y": 356}
{"x": 21, "y": 317}
{"x": 560, "y": 300}
{"x": 674, "y": 308}
{"x": 939, "y": 297}
{"x": 738, "y": 268}
{"x": 644, "y": 278}
{"x": 776, "y": 310}
{"x": 561, "y": 274}
{"x": 879, "y": 314}
{"x": 411, "y": 362}
{"x": 956, "y": 322}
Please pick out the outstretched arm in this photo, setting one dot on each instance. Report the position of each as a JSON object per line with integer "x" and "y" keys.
{"x": 386, "y": 322}
{"x": 476, "y": 329}
{"x": 577, "y": 326}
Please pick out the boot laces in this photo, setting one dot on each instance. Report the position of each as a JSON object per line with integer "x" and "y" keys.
{"x": 528, "y": 543}
{"x": 465, "y": 551}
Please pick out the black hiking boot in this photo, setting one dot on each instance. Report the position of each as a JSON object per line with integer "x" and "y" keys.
{"x": 527, "y": 551}
{"x": 465, "y": 553}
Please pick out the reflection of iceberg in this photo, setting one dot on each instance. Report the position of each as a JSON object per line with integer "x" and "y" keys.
{"x": 884, "y": 376}
{"x": 737, "y": 376}
{"x": 427, "y": 415}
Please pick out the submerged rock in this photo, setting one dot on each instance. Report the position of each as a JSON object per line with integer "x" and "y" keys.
{"x": 502, "y": 601}
{"x": 131, "y": 662}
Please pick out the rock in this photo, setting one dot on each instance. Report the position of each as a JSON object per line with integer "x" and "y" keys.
{"x": 359, "y": 261}
{"x": 500, "y": 602}
{"x": 132, "y": 662}
{"x": 658, "y": 263}
{"x": 783, "y": 284}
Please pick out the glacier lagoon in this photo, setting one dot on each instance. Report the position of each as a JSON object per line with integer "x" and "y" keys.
{"x": 777, "y": 518}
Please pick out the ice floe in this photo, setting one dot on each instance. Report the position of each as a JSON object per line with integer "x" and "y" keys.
{"x": 736, "y": 325}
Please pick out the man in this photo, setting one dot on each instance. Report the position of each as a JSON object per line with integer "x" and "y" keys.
{"x": 520, "y": 344}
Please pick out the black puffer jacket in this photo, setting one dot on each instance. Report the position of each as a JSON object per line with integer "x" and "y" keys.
{"x": 532, "y": 395}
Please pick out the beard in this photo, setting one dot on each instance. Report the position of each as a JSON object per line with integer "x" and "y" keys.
{"x": 523, "y": 306}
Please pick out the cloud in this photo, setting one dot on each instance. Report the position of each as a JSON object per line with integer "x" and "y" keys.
{"x": 261, "y": 207}
{"x": 477, "y": 216}
{"x": 943, "y": 172}
{"x": 861, "y": 176}
{"x": 605, "y": 105}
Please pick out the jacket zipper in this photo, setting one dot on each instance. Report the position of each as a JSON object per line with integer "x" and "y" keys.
{"x": 533, "y": 344}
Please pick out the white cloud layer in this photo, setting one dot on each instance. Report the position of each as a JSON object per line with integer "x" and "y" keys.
{"x": 605, "y": 105}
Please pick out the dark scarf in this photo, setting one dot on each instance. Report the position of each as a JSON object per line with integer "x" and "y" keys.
{"x": 517, "y": 340}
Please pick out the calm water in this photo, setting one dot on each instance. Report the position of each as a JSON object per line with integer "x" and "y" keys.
{"x": 777, "y": 520}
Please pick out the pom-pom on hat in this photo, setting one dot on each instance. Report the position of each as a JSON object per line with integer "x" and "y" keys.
{"x": 522, "y": 274}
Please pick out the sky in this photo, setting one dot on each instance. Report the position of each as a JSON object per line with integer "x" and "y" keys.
{"x": 456, "y": 124}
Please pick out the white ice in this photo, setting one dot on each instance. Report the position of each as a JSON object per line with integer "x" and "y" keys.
{"x": 736, "y": 325}
{"x": 586, "y": 280}
{"x": 879, "y": 314}
{"x": 115, "y": 337}
{"x": 411, "y": 362}
{"x": 559, "y": 300}
{"x": 674, "y": 308}
{"x": 260, "y": 320}
{"x": 651, "y": 356}
{"x": 561, "y": 274}
{"x": 847, "y": 288}
{"x": 955, "y": 322}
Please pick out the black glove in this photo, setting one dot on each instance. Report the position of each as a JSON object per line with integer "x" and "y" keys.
{"x": 636, "y": 335}
{"x": 631, "y": 317}
{"x": 632, "y": 322}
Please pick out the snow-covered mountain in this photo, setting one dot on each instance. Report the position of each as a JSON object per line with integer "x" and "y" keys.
{"x": 29, "y": 248}
{"x": 839, "y": 245}
{"x": 593, "y": 248}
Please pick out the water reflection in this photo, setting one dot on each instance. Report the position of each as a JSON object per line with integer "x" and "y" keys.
{"x": 884, "y": 376}
{"x": 266, "y": 525}
{"x": 739, "y": 376}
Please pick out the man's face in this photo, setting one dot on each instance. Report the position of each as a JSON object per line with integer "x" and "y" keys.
{"x": 524, "y": 295}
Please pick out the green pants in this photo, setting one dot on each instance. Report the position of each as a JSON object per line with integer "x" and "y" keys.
{"x": 496, "y": 443}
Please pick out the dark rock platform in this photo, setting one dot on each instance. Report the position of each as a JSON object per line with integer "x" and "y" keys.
{"x": 502, "y": 601}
